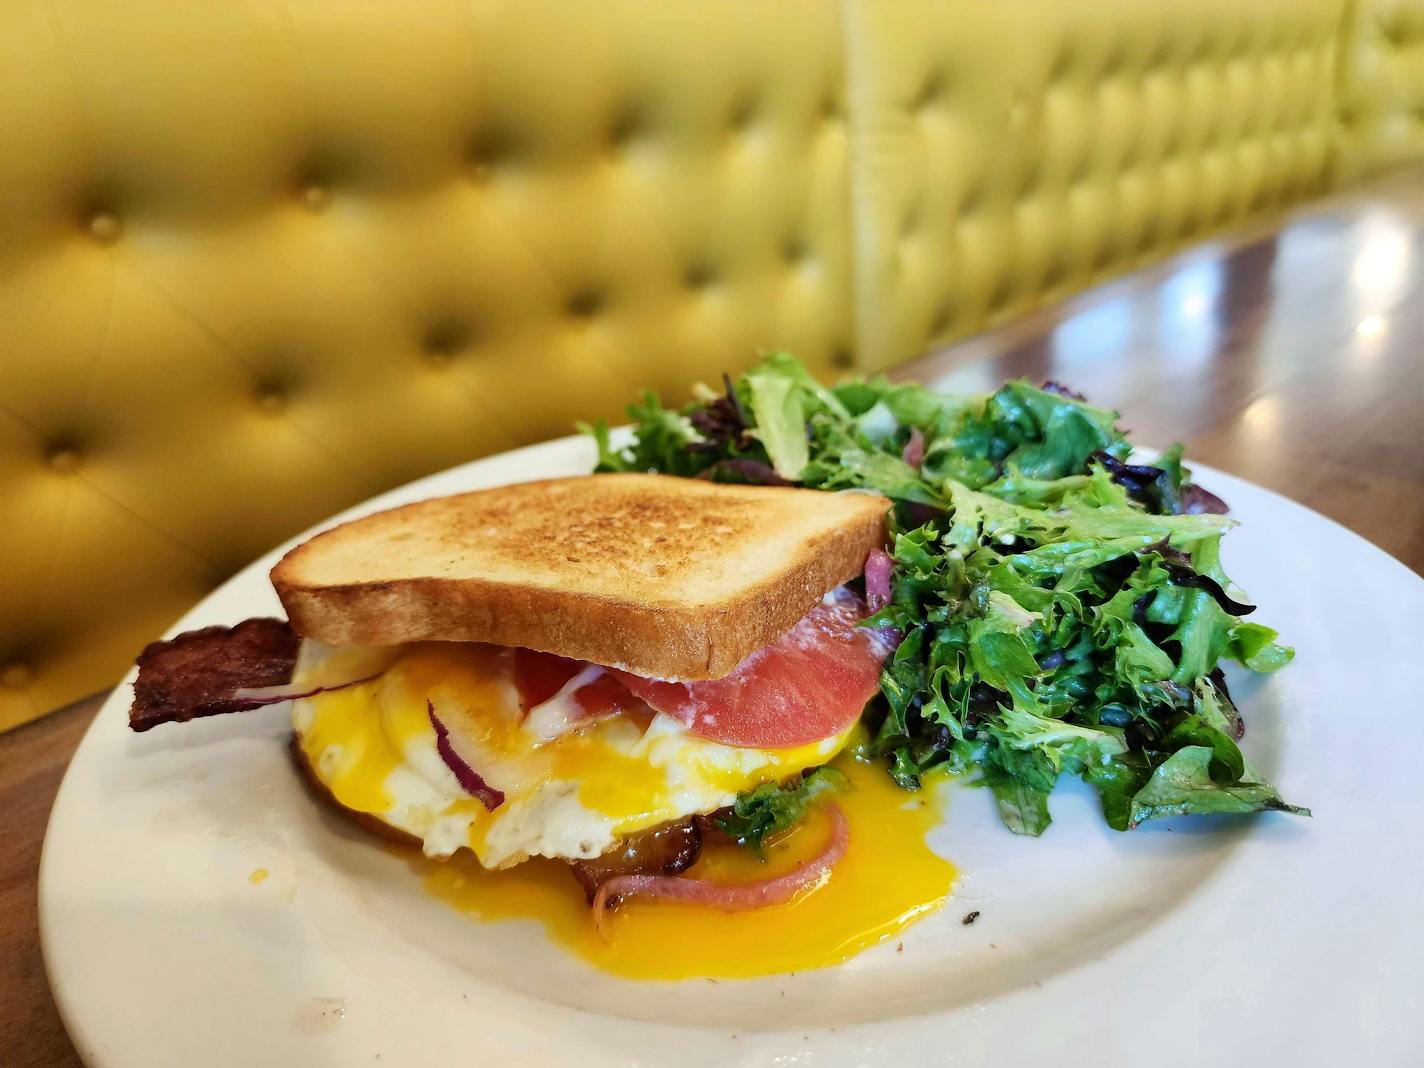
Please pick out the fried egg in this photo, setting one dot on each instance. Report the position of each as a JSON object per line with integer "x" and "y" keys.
{"x": 572, "y": 789}
{"x": 889, "y": 879}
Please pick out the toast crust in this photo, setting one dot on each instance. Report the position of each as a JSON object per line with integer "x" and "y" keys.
{"x": 665, "y": 577}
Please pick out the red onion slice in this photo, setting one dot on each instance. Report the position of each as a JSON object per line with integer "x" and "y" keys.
{"x": 468, "y": 777}
{"x": 914, "y": 453}
{"x": 562, "y": 713}
{"x": 257, "y": 696}
{"x": 878, "y": 567}
{"x": 730, "y": 897}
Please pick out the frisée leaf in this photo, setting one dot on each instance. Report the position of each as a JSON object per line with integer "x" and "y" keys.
{"x": 770, "y": 808}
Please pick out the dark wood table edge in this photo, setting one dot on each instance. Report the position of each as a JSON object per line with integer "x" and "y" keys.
{"x": 33, "y": 760}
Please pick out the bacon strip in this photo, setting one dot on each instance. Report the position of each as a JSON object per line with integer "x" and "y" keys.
{"x": 200, "y": 672}
{"x": 665, "y": 850}
{"x": 729, "y": 897}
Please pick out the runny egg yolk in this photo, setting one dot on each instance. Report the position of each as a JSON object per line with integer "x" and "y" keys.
{"x": 888, "y": 878}
{"x": 373, "y": 747}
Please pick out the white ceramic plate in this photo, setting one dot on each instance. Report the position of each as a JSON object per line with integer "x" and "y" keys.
{"x": 1262, "y": 941}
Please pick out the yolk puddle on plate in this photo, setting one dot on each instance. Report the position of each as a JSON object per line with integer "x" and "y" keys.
{"x": 888, "y": 878}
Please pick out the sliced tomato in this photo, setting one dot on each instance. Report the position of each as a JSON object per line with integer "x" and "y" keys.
{"x": 538, "y": 676}
{"x": 604, "y": 696}
{"x": 811, "y": 683}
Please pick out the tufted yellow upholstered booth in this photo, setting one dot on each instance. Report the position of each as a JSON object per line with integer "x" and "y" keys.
{"x": 1382, "y": 87}
{"x": 1007, "y": 154}
{"x": 260, "y": 259}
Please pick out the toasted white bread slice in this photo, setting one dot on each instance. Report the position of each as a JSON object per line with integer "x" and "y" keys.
{"x": 665, "y": 577}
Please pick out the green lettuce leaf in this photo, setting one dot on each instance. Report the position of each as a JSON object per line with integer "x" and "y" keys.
{"x": 769, "y": 809}
{"x": 1255, "y": 646}
{"x": 1023, "y": 806}
{"x": 1050, "y": 621}
{"x": 1183, "y": 785}
{"x": 776, "y": 403}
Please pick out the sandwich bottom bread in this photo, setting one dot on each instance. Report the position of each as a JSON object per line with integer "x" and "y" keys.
{"x": 588, "y": 669}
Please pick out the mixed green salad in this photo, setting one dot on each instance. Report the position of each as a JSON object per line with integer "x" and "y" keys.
{"x": 1060, "y": 609}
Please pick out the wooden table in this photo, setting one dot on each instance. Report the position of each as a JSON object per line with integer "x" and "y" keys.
{"x": 1292, "y": 356}
{"x": 32, "y": 761}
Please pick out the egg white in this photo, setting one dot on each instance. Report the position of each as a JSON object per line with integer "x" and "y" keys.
{"x": 572, "y": 796}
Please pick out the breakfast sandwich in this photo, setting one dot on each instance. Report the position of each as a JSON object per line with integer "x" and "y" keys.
{"x": 583, "y": 669}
